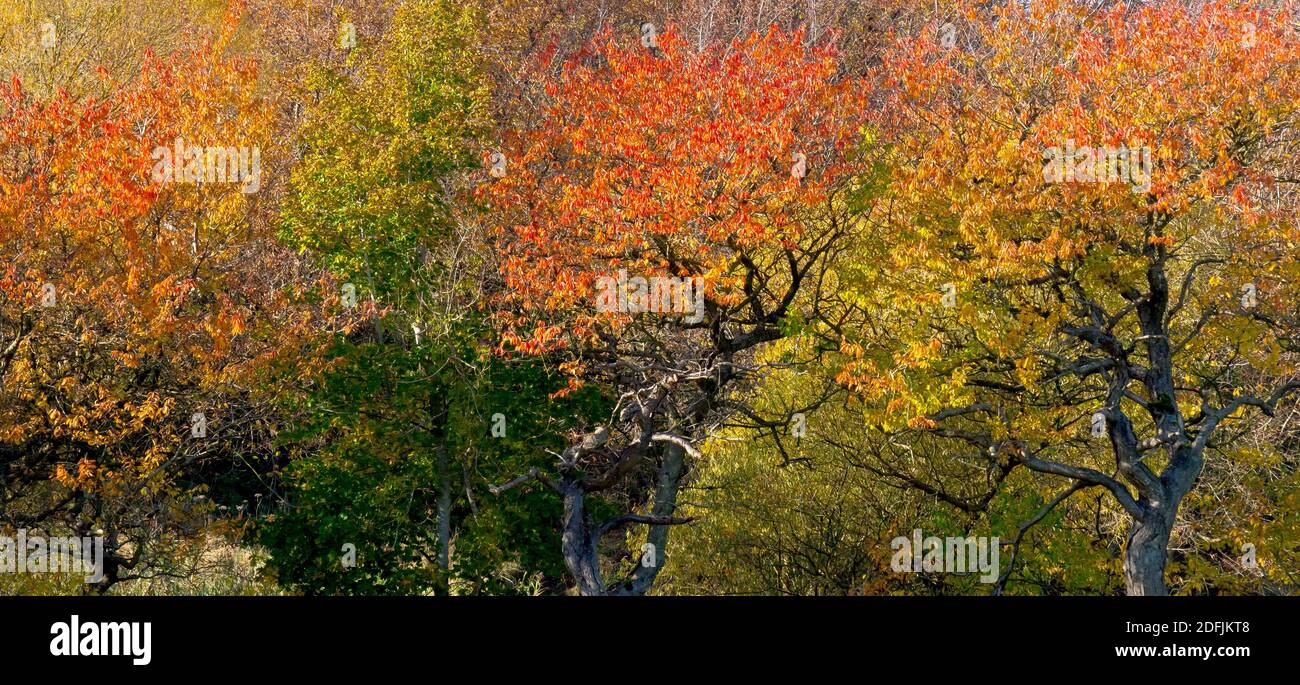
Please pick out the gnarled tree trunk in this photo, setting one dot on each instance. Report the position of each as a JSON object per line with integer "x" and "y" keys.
{"x": 1145, "y": 556}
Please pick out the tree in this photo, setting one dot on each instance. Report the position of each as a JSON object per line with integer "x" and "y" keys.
{"x": 1090, "y": 227}
{"x": 392, "y": 414}
{"x": 718, "y": 176}
{"x": 135, "y": 307}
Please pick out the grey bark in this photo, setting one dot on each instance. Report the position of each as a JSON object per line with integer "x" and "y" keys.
{"x": 444, "y": 509}
{"x": 581, "y": 537}
{"x": 665, "y": 506}
{"x": 1145, "y": 556}
{"x": 580, "y": 554}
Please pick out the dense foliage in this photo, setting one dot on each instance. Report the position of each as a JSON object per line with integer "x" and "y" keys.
{"x": 557, "y": 297}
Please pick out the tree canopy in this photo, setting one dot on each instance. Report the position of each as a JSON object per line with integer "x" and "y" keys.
{"x": 625, "y": 298}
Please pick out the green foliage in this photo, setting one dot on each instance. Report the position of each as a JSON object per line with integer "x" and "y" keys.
{"x": 380, "y": 149}
{"x": 370, "y": 478}
{"x": 391, "y": 426}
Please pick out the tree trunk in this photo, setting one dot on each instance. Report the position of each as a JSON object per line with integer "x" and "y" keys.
{"x": 664, "y": 505}
{"x": 444, "y": 515}
{"x": 1144, "y": 559}
{"x": 581, "y": 538}
{"x": 1148, "y": 538}
{"x": 576, "y": 543}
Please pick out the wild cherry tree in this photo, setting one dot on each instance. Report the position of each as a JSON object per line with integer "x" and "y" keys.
{"x": 663, "y": 215}
{"x": 137, "y": 298}
{"x": 1087, "y": 268}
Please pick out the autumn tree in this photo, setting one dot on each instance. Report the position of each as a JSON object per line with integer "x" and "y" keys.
{"x": 135, "y": 305}
{"x": 721, "y": 173}
{"x": 391, "y": 441}
{"x": 1087, "y": 266}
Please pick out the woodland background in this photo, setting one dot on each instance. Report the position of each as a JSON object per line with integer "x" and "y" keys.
{"x": 913, "y": 332}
